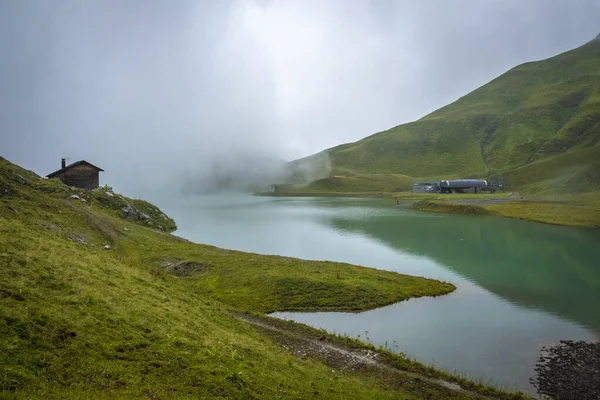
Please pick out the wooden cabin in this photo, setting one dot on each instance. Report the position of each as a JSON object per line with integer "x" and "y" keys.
{"x": 81, "y": 174}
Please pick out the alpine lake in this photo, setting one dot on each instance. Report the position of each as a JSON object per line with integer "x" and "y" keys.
{"x": 520, "y": 285}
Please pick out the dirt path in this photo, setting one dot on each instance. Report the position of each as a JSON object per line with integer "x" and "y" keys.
{"x": 355, "y": 359}
{"x": 109, "y": 232}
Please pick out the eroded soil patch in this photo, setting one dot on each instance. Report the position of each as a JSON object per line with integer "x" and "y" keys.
{"x": 363, "y": 361}
{"x": 183, "y": 268}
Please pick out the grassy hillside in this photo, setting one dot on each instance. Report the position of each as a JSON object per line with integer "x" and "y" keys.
{"x": 574, "y": 171}
{"x": 152, "y": 315}
{"x": 546, "y": 110}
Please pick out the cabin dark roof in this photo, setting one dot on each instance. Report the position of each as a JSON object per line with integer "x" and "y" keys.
{"x": 52, "y": 175}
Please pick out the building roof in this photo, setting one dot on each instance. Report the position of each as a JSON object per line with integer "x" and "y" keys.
{"x": 427, "y": 183}
{"x": 464, "y": 183}
{"x": 52, "y": 175}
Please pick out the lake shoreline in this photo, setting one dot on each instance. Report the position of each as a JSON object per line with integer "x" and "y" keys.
{"x": 376, "y": 233}
{"x": 389, "y": 368}
{"x": 551, "y": 213}
{"x": 575, "y": 211}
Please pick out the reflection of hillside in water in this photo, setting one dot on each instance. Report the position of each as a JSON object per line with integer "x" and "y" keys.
{"x": 556, "y": 269}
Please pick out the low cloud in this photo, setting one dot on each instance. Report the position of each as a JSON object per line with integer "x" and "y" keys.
{"x": 159, "y": 93}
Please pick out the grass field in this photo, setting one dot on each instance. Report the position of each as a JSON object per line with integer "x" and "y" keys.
{"x": 151, "y": 316}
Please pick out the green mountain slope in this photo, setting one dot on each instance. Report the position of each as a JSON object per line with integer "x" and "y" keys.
{"x": 532, "y": 113}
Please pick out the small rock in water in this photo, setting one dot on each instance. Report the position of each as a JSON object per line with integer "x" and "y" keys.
{"x": 106, "y": 247}
{"x": 74, "y": 196}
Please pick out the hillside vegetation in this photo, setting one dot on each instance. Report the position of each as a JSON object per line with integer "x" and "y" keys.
{"x": 155, "y": 316}
{"x": 538, "y": 124}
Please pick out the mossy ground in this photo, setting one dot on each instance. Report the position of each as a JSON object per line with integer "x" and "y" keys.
{"x": 80, "y": 321}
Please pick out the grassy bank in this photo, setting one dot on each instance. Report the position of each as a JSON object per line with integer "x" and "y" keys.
{"x": 582, "y": 210}
{"x": 410, "y": 196}
{"x": 150, "y": 316}
{"x": 572, "y": 210}
{"x": 381, "y": 362}
{"x": 449, "y": 208}
{"x": 253, "y": 282}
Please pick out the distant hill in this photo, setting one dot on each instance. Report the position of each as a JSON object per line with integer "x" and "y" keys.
{"x": 537, "y": 124}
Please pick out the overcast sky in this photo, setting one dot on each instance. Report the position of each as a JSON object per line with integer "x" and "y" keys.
{"x": 149, "y": 89}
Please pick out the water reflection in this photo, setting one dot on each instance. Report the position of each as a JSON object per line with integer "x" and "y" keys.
{"x": 556, "y": 269}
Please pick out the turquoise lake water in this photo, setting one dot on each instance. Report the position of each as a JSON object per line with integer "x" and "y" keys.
{"x": 520, "y": 285}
